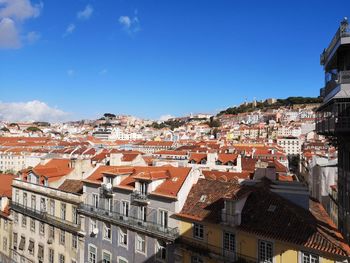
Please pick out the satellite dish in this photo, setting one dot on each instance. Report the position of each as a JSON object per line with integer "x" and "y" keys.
{"x": 95, "y": 231}
{"x": 109, "y": 186}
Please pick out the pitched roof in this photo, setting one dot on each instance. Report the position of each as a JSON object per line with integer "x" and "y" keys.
{"x": 72, "y": 186}
{"x": 173, "y": 177}
{"x": 54, "y": 168}
{"x": 206, "y": 199}
{"x": 225, "y": 176}
{"x": 6, "y": 184}
{"x": 291, "y": 223}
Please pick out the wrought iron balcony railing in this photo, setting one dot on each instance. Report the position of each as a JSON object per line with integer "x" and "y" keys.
{"x": 139, "y": 197}
{"x": 150, "y": 228}
{"x": 46, "y": 217}
{"x": 214, "y": 252}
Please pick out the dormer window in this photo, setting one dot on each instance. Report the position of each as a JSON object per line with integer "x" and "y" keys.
{"x": 109, "y": 180}
{"x": 203, "y": 161}
{"x": 143, "y": 188}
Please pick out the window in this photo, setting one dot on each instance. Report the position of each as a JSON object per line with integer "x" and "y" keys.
{"x": 41, "y": 228}
{"x": 31, "y": 247}
{"x": 229, "y": 242}
{"x": 107, "y": 233}
{"x": 61, "y": 258}
{"x": 95, "y": 200}
{"x": 51, "y": 255}
{"x": 32, "y": 225}
{"x": 15, "y": 217}
{"x": 161, "y": 250}
{"x": 125, "y": 208}
{"x": 92, "y": 254}
{"x": 22, "y": 243}
{"x": 143, "y": 213}
{"x": 5, "y": 224}
{"x": 62, "y": 237}
{"x": 24, "y": 221}
{"x": 4, "y": 243}
{"x": 265, "y": 251}
{"x": 198, "y": 231}
{"x": 17, "y": 196}
{"x": 106, "y": 257}
{"x": 63, "y": 211}
{"x": 52, "y": 232}
{"x": 74, "y": 215}
{"x": 122, "y": 260}
{"x": 140, "y": 243}
{"x": 52, "y": 207}
{"x": 42, "y": 204}
{"x": 74, "y": 241}
{"x": 196, "y": 259}
{"x": 163, "y": 218}
{"x": 41, "y": 252}
{"x": 309, "y": 258}
{"x": 33, "y": 202}
{"x": 93, "y": 224}
{"x": 25, "y": 200}
{"x": 143, "y": 188}
{"x": 123, "y": 236}
{"x": 15, "y": 237}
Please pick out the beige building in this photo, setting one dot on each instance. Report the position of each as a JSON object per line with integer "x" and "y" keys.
{"x": 47, "y": 227}
{"x": 5, "y": 219}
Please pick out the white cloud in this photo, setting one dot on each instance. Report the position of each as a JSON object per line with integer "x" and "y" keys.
{"x": 31, "y": 111}
{"x": 70, "y": 72}
{"x": 9, "y": 37}
{"x": 19, "y": 9}
{"x": 130, "y": 24}
{"x": 166, "y": 117}
{"x": 13, "y": 13}
{"x": 32, "y": 37}
{"x": 86, "y": 13}
{"x": 69, "y": 30}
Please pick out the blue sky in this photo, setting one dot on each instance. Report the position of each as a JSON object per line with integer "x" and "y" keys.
{"x": 157, "y": 57}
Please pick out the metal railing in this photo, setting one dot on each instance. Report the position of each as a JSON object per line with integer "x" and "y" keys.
{"x": 232, "y": 220}
{"x": 46, "y": 217}
{"x": 150, "y": 228}
{"x": 213, "y": 252}
{"x": 137, "y": 196}
{"x": 343, "y": 31}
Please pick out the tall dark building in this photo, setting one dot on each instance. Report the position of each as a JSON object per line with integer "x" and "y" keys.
{"x": 333, "y": 116}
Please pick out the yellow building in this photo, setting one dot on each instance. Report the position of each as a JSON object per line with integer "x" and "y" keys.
{"x": 226, "y": 222}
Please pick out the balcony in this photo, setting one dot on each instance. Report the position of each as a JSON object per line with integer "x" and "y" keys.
{"x": 231, "y": 220}
{"x": 334, "y": 118}
{"x": 214, "y": 252}
{"x": 149, "y": 228}
{"x": 46, "y": 217}
{"x": 342, "y": 32}
{"x": 332, "y": 86}
{"x": 139, "y": 197}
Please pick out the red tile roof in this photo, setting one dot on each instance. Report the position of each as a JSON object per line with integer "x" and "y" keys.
{"x": 6, "y": 184}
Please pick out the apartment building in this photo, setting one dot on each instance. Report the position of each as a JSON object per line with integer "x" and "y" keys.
{"x": 129, "y": 212}
{"x": 46, "y": 226}
{"x": 291, "y": 145}
{"x": 44, "y": 210}
{"x": 5, "y": 219}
